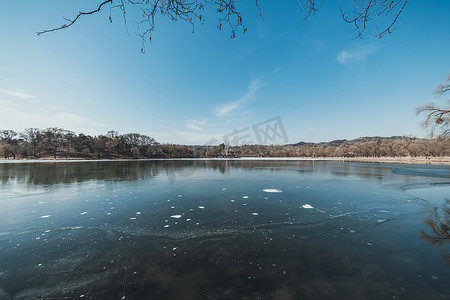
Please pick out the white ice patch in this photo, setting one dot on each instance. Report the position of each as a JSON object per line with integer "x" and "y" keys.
{"x": 46, "y": 216}
{"x": 245, "y": 197}
{"x": 307, "y": 206}
{"x": 138, "y": 213}
{"x": 165, "y": 226}
{"x": 83, "y": 213}
{"x": 132, "y": 218}
{"x": 201, "y": 207}
{"x": 255, "y": 214}
{"x": 176, "y": 216}
{"x": 272, "y": 191}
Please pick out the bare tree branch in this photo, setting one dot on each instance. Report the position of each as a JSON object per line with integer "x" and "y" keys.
{"x": 189, "y": 11}
{"x": 310, "y": 7}
{"x": 384, "y": 13}
{"x": 71, "y": 22}
{"x": 443, "y": 88}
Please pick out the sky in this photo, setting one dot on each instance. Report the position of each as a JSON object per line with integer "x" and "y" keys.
{"x": 310, "y": 80}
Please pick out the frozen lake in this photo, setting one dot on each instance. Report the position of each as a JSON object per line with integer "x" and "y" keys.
{"x": 224, "y": 229}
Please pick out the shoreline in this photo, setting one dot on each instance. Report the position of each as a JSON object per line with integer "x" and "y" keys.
{"x": 394, "y": 160}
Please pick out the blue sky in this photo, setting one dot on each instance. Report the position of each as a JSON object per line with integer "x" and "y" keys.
{"x": 191, "y": 88}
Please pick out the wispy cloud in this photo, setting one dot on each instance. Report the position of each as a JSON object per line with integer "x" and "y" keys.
{"x": 355, "y": 55}
{"x": 65, "y": 118}
{"x": 17, "y": 115}
{"x": 206, "y": 126}
{"x": 18, "y": 94}
{"x": 194, "y": 125}
{"x": 227, "y": 108}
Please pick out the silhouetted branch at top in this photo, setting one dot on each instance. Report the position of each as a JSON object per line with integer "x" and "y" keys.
{"x": 384, "y": 13}
{"x": 189, "y": 11}
{"x": 71, "y": 22}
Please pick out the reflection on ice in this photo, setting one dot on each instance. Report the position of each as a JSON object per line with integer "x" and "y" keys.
{"x": 268, "y": 246}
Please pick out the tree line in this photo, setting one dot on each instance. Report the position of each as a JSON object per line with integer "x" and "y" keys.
{"x": 56, "y": 142}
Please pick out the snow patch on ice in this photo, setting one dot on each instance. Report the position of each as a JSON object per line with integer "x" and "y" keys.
{"x": 272, "y": 191}
{"x": 176, "y": 216}
{"x": 307, "y": 206}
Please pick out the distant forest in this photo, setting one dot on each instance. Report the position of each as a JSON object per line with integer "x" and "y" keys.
{"x": 55, "y": 143}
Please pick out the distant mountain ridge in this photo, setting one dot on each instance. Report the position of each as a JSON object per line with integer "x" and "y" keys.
{"x": 337, "y": 143}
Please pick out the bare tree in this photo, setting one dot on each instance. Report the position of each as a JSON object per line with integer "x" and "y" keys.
{"x": 32, "y": 137}
{"x": 438, "y": 116}
{"x": 53, "y": 138}
{"x": 378, "y": 16}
